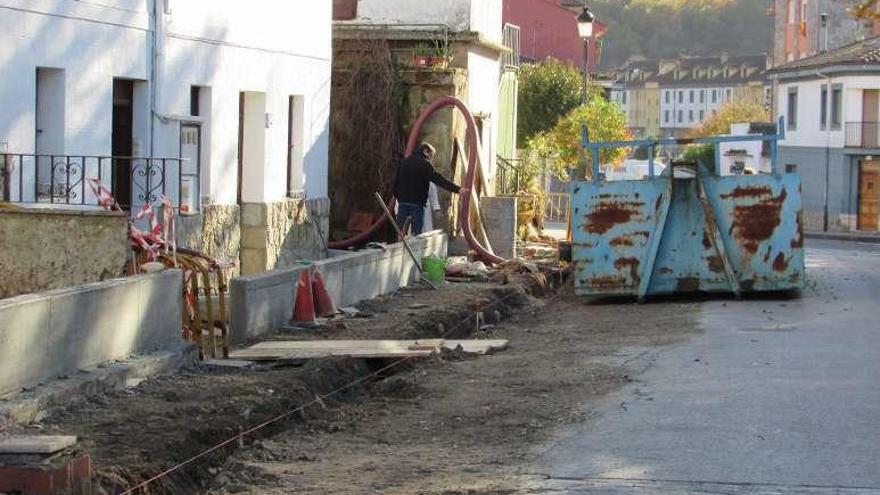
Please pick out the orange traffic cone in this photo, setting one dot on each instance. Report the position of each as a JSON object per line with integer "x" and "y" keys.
{"x": 324, "y": 306}
{"x": 304, "y": 306}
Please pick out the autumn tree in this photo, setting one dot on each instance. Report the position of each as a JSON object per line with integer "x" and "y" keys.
{"x": 731, "y": 113}
{"x": 548, "y": 90}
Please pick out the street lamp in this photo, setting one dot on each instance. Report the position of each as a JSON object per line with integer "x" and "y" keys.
{"x": 585, "y": 31}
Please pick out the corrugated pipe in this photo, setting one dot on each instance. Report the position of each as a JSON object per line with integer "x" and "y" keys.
{"x": 473, "y": 161}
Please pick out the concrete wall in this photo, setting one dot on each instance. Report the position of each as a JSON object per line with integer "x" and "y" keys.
{"x": 499, "y": 217}
{"x": 263, "y": 303}
{"x": 842, "y": 185}
{"x": 53, "y": 334}
{"x": 44, "y": 249}
{"x": 278, "y": 49}
{"x": 481, "y": 16}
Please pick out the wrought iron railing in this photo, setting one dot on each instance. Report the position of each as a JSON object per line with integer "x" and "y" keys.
{"x": 863, "y": 134}
{"x": 507, "y": 177}
{"x": 64, "y": 179}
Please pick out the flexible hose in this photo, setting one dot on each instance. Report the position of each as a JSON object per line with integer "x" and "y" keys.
{"x": 473, "y": 161}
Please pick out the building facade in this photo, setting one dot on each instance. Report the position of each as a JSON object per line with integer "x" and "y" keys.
{"x": 224, "y": 110}
{"x": 668, "y": 98}
{"x": 831, "y": 104}
{"x": 801, "y": 31}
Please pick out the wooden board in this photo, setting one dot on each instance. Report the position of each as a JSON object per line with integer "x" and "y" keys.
{"x": 367, "y": 349}
{"x": 35, "y": 444}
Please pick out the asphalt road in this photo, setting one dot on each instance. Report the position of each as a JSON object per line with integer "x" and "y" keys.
{"x": 775, "y": 397}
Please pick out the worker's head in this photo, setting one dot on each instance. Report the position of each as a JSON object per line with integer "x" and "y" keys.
{"x": 426, "y": 150}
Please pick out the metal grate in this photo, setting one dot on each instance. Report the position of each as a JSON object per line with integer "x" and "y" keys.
{"x": 511, "y": 41}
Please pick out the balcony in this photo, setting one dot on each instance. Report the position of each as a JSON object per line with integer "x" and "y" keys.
{"x": 863, "y": 134}
{"x": 64, "y": 180}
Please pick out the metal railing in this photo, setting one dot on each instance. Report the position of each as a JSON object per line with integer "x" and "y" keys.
{"x": 863, "y": 134}
{"x": 558, "y": 207}
{"x": 63, "y": 179}
{"x": 507, "y": 177}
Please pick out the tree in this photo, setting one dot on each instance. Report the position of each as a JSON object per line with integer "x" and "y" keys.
{"x": 731, "y": 113}
{"x": 561, "y": 147}
{"x": 548, "y": 90}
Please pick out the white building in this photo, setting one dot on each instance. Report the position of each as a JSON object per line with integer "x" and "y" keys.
{"x": 831, "y": 105}
{"x": 241, "y": 90}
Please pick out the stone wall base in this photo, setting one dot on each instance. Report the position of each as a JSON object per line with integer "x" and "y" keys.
{"x": 277, "y": 235}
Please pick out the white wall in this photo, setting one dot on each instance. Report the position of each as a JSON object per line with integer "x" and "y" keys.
{"x": 482, "y": 16}
{"x": 484, "y": 68}
{"x": 808, "y": 132}
{"x": 281, "y": 49}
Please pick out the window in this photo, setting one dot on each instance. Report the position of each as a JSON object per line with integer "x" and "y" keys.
{"x": 714, "y": 96}
{"x": 624, "y": 97}
{"x": 836, "y": 106}
{"x": 702, "y": 96}
{"x": 791, "y": 168}
{"x": 681, "y": 115}
{"x": 728, "y": 94}
{"x": 690, "y": 115}
{"x": 823, "y": 107}
{"x": 295, "y": 145}
{"x": 680, "y": 96}
{"x": 691, "y": 96}
{"x": 666, "y": 116}
{"x": 702, "y": 115}
{"x": 668, "y": 95}
{"x": 190, "y": 167}
{"x": 791, "y": 112}
{"x": 194, "y": 92}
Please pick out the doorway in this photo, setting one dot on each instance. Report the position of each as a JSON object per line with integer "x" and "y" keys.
{"x": 49, "y": 133}
{"x": 121, "y": 140}
{"x": 869, "y": 195}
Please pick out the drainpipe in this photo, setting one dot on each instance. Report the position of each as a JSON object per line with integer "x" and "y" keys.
{"x": 828, "y": 118}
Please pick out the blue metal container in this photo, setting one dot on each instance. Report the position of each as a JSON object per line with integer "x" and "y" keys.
{"x": 666, "y": 235}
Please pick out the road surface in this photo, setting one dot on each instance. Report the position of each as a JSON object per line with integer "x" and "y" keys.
{"x": 775, "y": 397}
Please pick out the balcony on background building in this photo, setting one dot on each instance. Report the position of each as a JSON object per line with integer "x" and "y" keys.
{"x": 863, "y": 135}
{"x": 73, "y": 180}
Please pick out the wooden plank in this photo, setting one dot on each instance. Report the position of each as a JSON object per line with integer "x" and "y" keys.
{"x": 310, "y": 349}
{"x": 36, "y": 444}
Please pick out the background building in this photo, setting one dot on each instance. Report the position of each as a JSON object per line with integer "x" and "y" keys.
{"x": 800, "y": 32}
{"x": 670, "y": 97}
{"x": 831, "y": 104}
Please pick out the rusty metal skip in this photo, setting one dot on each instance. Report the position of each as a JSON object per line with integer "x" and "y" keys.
{"x": 708, "y": 233}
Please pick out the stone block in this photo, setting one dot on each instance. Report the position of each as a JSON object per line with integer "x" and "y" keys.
{"x": 24, "y": 326}
{"x": 253, "y": 215}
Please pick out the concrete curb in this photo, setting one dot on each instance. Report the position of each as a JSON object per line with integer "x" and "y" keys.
{"x": 35, "y": 404}
{"x": 843, "y": 236}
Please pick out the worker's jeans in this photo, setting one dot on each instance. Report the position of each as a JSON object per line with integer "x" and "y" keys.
{"x": 416, "y": 212}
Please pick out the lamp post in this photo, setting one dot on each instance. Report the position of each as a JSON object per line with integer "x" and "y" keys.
{"x": 585, "y": 31}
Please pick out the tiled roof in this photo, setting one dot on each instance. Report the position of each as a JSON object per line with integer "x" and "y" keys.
{"x": 689, "y": 71}
{"x": 865, "y": 52}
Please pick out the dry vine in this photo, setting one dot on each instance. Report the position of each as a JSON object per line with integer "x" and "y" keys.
{"x": 366, "y": 127}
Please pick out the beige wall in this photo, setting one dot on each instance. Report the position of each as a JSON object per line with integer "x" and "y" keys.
{"x": 50, "y": 249}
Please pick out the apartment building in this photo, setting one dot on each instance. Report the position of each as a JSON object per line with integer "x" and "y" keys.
{"x": 671, "y": 97}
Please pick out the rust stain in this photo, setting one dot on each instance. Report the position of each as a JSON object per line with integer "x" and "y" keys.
{"x": 688, "y": 284}
{"x": 607, "y": 282}
{"x": 633, "y": 264}
{"x": 755, "y": 223}
{"x": 707, "y": 243}
{"x": 780, "y": 264}
{"x": 767, "y": 254}
{"x": 606, "y": 215}
{"x": 622, "y": 241}
{"x": 748, "y": 192}
{"x": 716, "y": 263}
{"x": 798, "y": 241}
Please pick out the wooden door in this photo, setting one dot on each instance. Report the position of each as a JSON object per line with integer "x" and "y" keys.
{"x": 869, "y": 195}
{"x": 870, "y": 117}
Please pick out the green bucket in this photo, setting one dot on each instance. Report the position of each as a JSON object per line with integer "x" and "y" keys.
{"x": 435, "y": 268}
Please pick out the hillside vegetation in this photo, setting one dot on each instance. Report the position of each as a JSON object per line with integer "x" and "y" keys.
{"x": 667, "y": 28}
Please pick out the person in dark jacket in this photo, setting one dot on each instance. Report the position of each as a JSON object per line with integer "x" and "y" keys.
{"x": 414, "y": 175}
